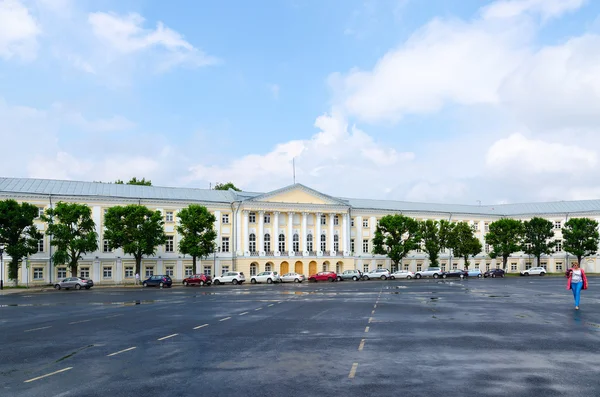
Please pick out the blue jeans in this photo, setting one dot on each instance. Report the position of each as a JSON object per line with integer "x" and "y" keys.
{"x": 576, "y": 287}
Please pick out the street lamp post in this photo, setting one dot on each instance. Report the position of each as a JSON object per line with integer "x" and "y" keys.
{"x": 1, "y": 267}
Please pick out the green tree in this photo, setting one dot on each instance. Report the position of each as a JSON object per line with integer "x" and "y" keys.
{"x": 18, "y": 233}
{"x": 73, "y": 233}
{"x": 395, "y": 236}
{"x": 135, "y": 181}
{"x": 196, "y": 228}
{"x": 505, "y": 237}
{"x": 430, "y": 236}
{"x": 226, "y": 186}
{"x": 537, "y": 237}
{"x": 463, "y": 242}
{"x": 136, "y": 229}
{"x": 581, "y": 237}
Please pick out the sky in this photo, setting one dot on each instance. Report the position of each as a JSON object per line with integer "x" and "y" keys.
{"x": 450, "y": 101}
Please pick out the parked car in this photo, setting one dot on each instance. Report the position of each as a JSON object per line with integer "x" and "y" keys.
{"x": 292, "y": 278}
{"x": 323, "y": 276}
{"x": 434, "y": 272}
{"x": 265, "y": 277}
{"x": 382, "y": 274}
{"x": 74, "y": 282}
{"x": 494, "y": 273}
{"x": 402, "y": 274}
{"x": 197, "y": 279}
{"x": 353, "y": 274}
{"x": 456, "y": 273}
{"x": 534, "y": 271}
{"x": 158, "y": 281}
{"x": 475, "y": 273}
{"x": 230, "y": 277}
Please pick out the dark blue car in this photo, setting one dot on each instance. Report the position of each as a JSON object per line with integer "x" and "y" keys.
{"x": 158, "y": 281}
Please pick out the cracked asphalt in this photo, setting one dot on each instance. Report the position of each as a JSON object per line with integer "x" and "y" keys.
{"x": 477, "y": 337}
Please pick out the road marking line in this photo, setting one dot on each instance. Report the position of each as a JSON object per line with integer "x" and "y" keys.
{"x": 167, "y": 337}
{"x": 114, "y": 315}
{"x": 367, "y": 329}
{"x": 82, "y": 321}
{"x": 372, "y": 312}
{"x": 260, "y": 308}
{"x": 270, "y": 305}
{"x": 241, "y": 314}
{"x": 50, "y": 374}
{"x": 121, "y": 351}
{"x": 37, "y": 329}
{"x": 375, "y": 307}
{"x": 370, "y": 319}
{"x": 353, "y": 371}
{"x": 362, "y": 344}
{"x": 280, "y": 302}
{"x": 226, "y": 318}
{"x": 201, "y": 326}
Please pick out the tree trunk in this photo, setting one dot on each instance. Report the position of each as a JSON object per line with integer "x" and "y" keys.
{"x": 138, "y": 265}
{"x": 13, "y": 269}
{"x": 579, "y": 258}
{"x": 504, "y": 262}
{"x": 73, "y": 268}
{"x": 467, "y": 262}
{"x": 194, "y": 265}
{"x": 539, "y": 260}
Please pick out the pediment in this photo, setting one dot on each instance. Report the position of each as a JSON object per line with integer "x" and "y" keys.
{"x": 297, "y": 194}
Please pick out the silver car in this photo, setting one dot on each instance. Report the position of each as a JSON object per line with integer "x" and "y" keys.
{"x": 74, "y": 282}
{"x": 292, "y": 278}
{"x": 382, "y": 274}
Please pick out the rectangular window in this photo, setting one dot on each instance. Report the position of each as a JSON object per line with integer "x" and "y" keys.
{"x": 169, "y": 246}
{"x": 169, "y": 271}
{"x": 477, "y": 266}
{"x": 323, "y": 243}
{"x": 105, "y": 211}
{"x": 225, "y": 218}
{"x": 487, "y": 267}
{"x": 513, "y": 266}
{"x": 487, "y": 248}
{"x": 107, "y": 272}
{"x": 61, "y": 272}
{"x": 558, "y": 225}
{"x": 558, "y": 246}
{"x": 105, "y": 246}
{"x": 475, "y": 226}
{"x": 84, "y": 272}
{"x": 149, "y": 271}
{"x": 443, "y": 268}
{"x": 352, "y": 222}
{"x": 486, "y": 226}
{"x": 38, "y": 273}
{"x": 225, "y": 269}
{"x": 365, "y": 223}
{"x": 351, "y": 245}
{"x": 454, "y": 266}
{"x": 188, "y": 271}
{"x": 365, "y": 246}
{"x": 365, "y": 268}
{"x": 40, "y": 212}
{"x": 545, "y": 265}
{"x": 129, "y": 272}
{"x": 559, "y": 266}
{"x": 380, "y": 266}
{"x": 323, "y": 220}
{"x": 527, "y": 265}
{"x": 406, "y": 266}
{"x": 41, "y": 245}
{"x": 336, "y": 220}
{"x": 267, "y": 218}
{"x": 207, "y": 270}
{"x": 419, "y": 267}
{"x": 252, "y": 217}
{"x": 169, "y": 216}
{"x": 224, "y": 244}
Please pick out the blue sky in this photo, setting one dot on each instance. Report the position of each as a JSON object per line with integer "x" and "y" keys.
{"x": 437, "y": 100}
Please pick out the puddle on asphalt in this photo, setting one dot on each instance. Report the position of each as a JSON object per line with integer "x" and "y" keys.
{"x": 499, "y": 296}
{"x": 73, "y": 353}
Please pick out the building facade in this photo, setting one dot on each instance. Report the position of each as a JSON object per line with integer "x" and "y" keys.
{"x": 294, "y": 228}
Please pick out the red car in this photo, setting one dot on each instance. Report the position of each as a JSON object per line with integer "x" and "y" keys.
{"x": 197, "y": 279}
{"x": 323, "y": 276}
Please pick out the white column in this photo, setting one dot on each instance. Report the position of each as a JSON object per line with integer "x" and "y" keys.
{"x": 217, "y": 227}
{"x": 261, "y": 234}
{"x": 317, "y": 236}
{"x": 373, "y": 227}
{"x": 275, "y": 233}
{"x": 238, "y": 233}
{"x": 358, "y": 237}
{"x": 344, "y": 234}
{"x": 289, "y": 239}
{"x": 245, "y": 246}
{"x": 331, "y": 217}
{"x": 304, "y": 221}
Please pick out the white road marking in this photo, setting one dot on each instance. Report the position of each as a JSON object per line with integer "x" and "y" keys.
{"x": 167, "y": 337}
{"x": 226, "y": 318}
{"x": 37, "y": 329}
{"x": 370, "y": 319}
{"x": 114, "y": 315}
{"x": 260, "y": 308}
{"x": 362, "y": 344}
{"x": 121, "y": 351}
{"x": 201, "y": 326}
{"x": 241, "y": 314}
{"x": 50, "y": 374}
{"x": 372, "y": 312}
{"x": 353, "y": 370}
{"x": 77, "y": 322}
{"x": 270, "y": 305}
{"x": 367, "y": 329}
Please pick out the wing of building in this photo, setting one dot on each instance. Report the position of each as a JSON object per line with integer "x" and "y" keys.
{"x": 294, "y": 228}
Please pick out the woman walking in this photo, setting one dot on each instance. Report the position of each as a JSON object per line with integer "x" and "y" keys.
{"x": 577, "y": 281}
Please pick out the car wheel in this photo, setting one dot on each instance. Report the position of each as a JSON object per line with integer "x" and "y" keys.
{"x": 408, "y": 277}
{"x": 443, "y": 276}
{"x": 526, "y": 274}
{"x": 354, "y": 278}
{"x": 78, "y": 287}
{"x": 145, "y": 284}
{"x": 253, "y": 281}
{"x": 542, "y": 273}
{"x": 269, "y": 281}
{"x": 217, "y": 282}
{"x": 435, "y": 275}
{"x": 161, "y": 284}
{"x": 494, "y": 275}
{"x": 235, "y": 282}
{"x": 57, "y": 286}
{"x": 383, "y": 277}
{"x": 479, "y": 276}
{"x": 366, "y": 278}
{"x": 201, "y": 283}
{"x": 185, "y": 283}
{"x": 392, "y": 278}
{"x": 418, "y": 276}
{"x": 339, "y": 278}
{"x": 296, "y": 280}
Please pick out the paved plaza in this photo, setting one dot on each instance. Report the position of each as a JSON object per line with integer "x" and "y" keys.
{"x": 477, "y": 337}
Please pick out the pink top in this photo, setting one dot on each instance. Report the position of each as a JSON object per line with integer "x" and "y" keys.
{"x": 583, "y": 277}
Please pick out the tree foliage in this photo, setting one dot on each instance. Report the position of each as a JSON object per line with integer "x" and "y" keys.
{"x": 581, "y": 237}
{"x": 73, "y": 233}
{"x": 196, "y": 228}
{"x": 226, "y": 186}
{"x": 136, "y": 229}
{"x": 505, "y": 237}
{"x": 135, "y": 181}
{"x": 18, "y": 233}
{"x": 537, "y": 237}
{"x": 463, "y": 242}
{"x": 395, "y": 236}
{"x": 432, "y": 241}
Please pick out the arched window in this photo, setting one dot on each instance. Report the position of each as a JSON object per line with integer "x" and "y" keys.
{"x": 337, "y": 267}
{"x": 323, "y": 243}
{"x": 296, "y": 243}
{"x": 325, "y": 266}
{"x": 252, "y": 242}
{"x": 282, "y": 242}
{"x": 268, "y": 267}
{"x": 267, "y": 242}
{"x": 253, "y": 269}
{"x": 336, "y": 242}
{"x": 309, "y": 242}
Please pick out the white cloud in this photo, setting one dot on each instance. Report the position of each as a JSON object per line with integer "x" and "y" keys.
{"x": 18, "y": 31}
{"x": 545, "y": 8}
